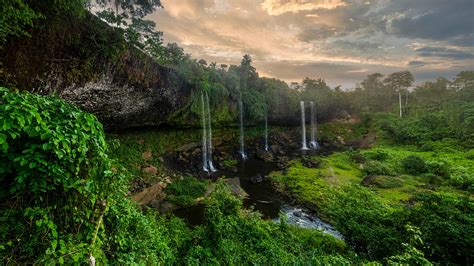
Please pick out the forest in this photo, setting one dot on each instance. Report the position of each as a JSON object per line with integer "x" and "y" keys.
{"x": 216, "y": 173}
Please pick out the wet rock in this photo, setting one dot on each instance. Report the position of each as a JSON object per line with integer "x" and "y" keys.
{"x": 189, "y": 147}
{"x": 369, "y": 180}
{"x": 311, "y": 162}
{"x": 147, "y": 195}
{"x": 165, "y": 207}
{"x": 150, "y": 170}
{"x": 234, "y": 184}
{"x": 298, "y": 214}
{"x": 265, "y": 156}
{"x": 275, "y": 148}
{"x": 256, "y": 179}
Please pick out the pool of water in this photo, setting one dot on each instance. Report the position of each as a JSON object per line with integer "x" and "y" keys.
{"x": 262, "y": 198}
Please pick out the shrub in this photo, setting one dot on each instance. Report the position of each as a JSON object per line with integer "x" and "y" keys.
{"x": 357, "y": 156}
{"x": 55, "y": 176}
{"x": 373, "y": 168}
{"x": 184, "y": 192}
{"x": 378, "y": 155}
{"x": 462, "y": 178}
{"x": 388, "y": 182}
{"x": 446, "y": 225}
{"x": 414, "y": 165}
{"x": 439, "y": 168}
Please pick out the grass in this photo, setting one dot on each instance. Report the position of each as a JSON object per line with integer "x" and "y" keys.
{"x": 339, "y": 169}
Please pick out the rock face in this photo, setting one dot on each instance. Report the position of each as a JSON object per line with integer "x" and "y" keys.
{"x": 91, "y": 65}
{"x": 126, "y": 105}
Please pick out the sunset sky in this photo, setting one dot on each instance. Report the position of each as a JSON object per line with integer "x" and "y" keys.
{"x": 341, "y": 41}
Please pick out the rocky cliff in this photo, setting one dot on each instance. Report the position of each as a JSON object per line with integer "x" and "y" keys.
{"x": 88, "y": 63}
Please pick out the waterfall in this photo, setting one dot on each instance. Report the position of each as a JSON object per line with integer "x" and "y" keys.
{"x": 204, "y": 135}
{"x": 314, "y": 128}
{"x": 242, "y": 144}
{"x": 303, "y": 126}
{"x": 209, "y": 137}
{"x": 266, "y": 133}
{"x": 207, "y": 164}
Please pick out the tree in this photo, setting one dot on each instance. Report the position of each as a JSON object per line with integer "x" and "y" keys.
{"x": 399, "y": 81}
{"x": 464, "y": 84}
{"x": 128, "y": 9}
{"x": 374, "y": 94}
{"x": 15, "y": 16}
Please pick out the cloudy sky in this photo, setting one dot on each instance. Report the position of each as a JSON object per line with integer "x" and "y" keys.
{"x": 341, "y": 41}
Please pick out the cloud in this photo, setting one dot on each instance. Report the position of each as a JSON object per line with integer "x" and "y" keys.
{"x": 431, "y": 19}
{"x": 416, "y": 63}
{"x": 444, "y": 53}
{"x": 278, "y": 7}
{"x": 331, "y": 39}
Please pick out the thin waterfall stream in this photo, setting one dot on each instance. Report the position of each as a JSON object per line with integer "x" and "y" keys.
{"x": 242, "y": 142}
{"x": 303, "y": 127}
{"x": 209, "y": 136}
{"x": 207, "y": 164}
{"x": 204, "y": 135}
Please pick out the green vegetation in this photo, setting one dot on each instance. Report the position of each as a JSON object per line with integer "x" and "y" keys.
{"x": 55, "y": 177}
{"x": 231, "y": 235}
{"x": 371, "y": 195}
{"x": 65, "y": 190}
{"x": 185, "y": 192}
{"x": 64, "y": 202}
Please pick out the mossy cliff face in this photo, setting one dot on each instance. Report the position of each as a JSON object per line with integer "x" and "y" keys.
{"x": 88, "y": 63}
{"x": 133, "y": 94}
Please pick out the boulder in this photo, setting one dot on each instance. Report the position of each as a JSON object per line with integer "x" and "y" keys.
{"x": 234, "y": 184}
{"x": 150, "y": 170}
{"x": 256, "y": 179}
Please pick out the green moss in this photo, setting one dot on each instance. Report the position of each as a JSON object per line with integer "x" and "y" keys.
{"x": 229, "y": 163}
{"x": 185, "y": 192}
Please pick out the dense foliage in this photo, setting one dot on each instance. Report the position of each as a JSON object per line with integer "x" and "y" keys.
{"x": 63, "y": 200}
{"x": 62, "y": 203}
{"x": 55, "y": 176}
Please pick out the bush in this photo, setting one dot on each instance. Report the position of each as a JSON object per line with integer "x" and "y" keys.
{"x": 184, "y": 192}
{"x": 366, "y": 223}
{"x": 446, "y": 224}
{"x": 357, "y": 156}
{"x": 462, "y": 178}
{"x": 378, "y": 155}
{"x": 373, "y": 168}
{"x": 439, "y": 168}
{"x": 388, "y": 182}
{"x": 414, "y": 165}
{"x": 55, "y": 175}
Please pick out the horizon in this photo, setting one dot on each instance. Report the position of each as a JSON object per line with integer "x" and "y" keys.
{"x": 340, "y": 41}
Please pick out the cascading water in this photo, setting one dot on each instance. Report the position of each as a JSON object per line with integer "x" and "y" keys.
{"x": 266, "y": 134}
{"x": 204, "y": 135}
{"x": 314, "y": 128}
{"x": 242, "y": 144}
{"x": 207, "y": 164}
{"x": 209, "y": 137}
{"x": 303, "y": 127}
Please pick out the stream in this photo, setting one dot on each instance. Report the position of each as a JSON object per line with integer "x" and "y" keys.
{"x": 262, "y": 198}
